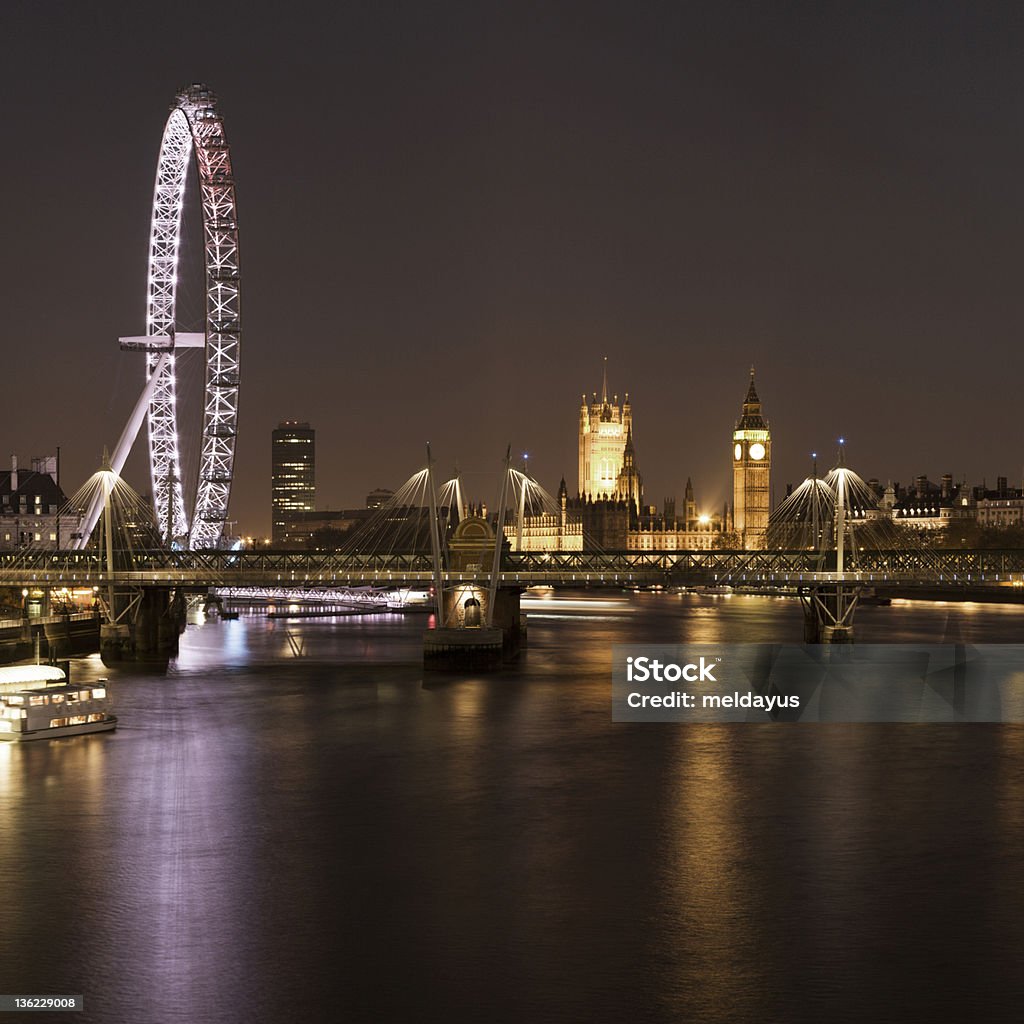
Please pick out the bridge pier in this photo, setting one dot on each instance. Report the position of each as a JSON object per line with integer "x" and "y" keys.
{"x": 472, "y": 634}
{"x": 828, "y": 613}
{"x": 464, "y": 641}
{"x": 151, "y": 637}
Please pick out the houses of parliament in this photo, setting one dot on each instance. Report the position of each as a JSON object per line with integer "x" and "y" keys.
{"x": 609, "y": 512}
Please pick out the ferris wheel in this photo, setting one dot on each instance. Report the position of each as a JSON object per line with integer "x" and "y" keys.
{"x": 194, "y": 127}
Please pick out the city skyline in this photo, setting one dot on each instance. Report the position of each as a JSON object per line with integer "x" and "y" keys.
{"x": 449, "y": 218}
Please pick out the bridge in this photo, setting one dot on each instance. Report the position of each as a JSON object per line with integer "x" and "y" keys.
{"x": 146, "y": 588}
{"x": 198, "y": 570}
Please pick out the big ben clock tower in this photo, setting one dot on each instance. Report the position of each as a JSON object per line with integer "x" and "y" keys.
{"x": 751, "y": 473}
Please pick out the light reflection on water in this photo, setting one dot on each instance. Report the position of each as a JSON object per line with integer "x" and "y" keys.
{"x": 275, "y": 837}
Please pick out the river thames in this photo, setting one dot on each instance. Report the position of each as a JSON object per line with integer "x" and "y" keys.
{"x": 295, "y": 824}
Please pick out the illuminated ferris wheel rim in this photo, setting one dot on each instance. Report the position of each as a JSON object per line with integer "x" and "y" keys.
{"x": 194, "y": 128}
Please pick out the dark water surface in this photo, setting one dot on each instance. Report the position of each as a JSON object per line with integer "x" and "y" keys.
{"x": 332, "y": 837}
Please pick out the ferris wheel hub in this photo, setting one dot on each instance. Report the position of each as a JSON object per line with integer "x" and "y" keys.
{"x": 162, "y": 342}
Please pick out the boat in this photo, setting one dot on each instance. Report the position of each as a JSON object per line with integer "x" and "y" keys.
{"x": 37, "y": 702}
{"x": 408, "y": 599}
{"x": 229, "y": 613}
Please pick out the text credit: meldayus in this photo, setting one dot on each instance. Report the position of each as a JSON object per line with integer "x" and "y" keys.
{"x": 643, "y": 669}
{"x": 692, "y": 682}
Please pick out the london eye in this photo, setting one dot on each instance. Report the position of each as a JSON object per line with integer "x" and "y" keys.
{"x": 194, "y": 129}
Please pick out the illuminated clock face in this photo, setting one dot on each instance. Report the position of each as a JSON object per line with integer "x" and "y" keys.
{"x": 757, "y": 451}
{"x": 738, "y": 452}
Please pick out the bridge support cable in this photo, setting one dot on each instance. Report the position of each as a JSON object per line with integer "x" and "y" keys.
{"x": 451, "y": 498}
{"x": 539, "y": 512}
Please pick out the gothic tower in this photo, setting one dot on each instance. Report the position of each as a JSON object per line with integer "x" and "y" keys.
{"x": 751, "y": 475}
{"x": 605, "y": 448}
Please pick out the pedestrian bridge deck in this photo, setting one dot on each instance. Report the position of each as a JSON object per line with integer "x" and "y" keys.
{"x": 315, "y": 570}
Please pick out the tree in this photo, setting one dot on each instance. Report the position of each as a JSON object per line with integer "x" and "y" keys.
{"x": 727, "y": 540}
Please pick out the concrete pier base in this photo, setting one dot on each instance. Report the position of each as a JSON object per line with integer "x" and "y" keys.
{"x": 151, "y": 638}
{"x": 115, "y": 644}
{"x": 465, "y": 643}
{"x": 451, "y": 650}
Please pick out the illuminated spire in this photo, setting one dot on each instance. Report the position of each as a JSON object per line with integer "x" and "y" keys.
{"x": 752, "y": 398}
{"x": 604, "y": 383}
{"x": 751, "y": 418}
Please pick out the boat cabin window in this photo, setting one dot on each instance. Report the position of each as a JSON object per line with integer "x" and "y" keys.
{"x": 14, "y": 699}
{"x": 56, "y": 698}
{"x": 99, "y": 692}
{"x": 37, "y": 701}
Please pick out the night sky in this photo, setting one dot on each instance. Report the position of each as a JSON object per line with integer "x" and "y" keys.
{"x": 450, "y": 214}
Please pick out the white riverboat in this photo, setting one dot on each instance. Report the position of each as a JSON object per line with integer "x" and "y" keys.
{"x": 38, "y": 703}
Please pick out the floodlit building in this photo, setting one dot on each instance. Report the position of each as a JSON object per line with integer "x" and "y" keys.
{"x": 609, "y": 512}
{"x": 607, "y": 462}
